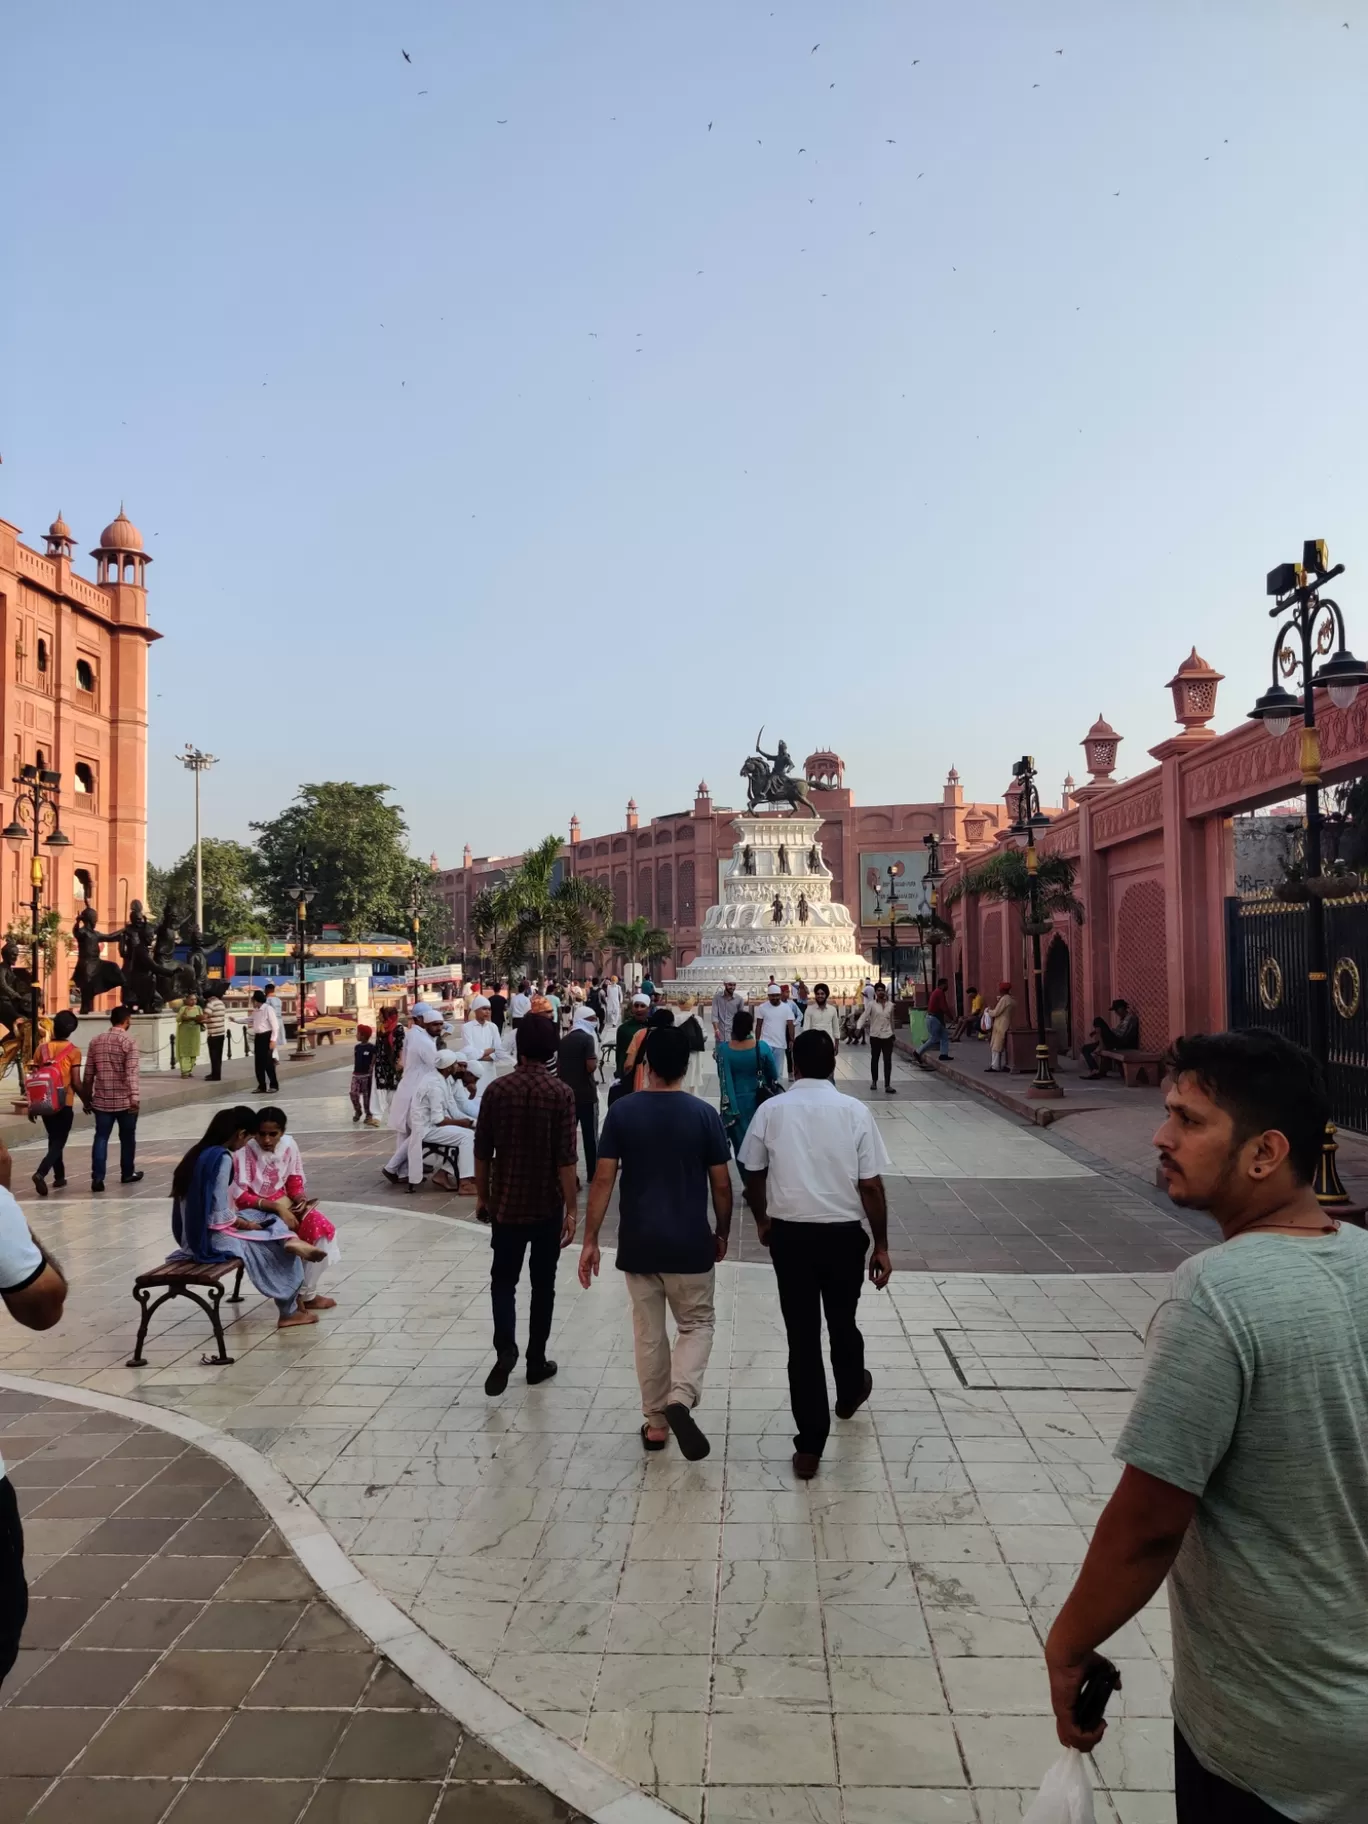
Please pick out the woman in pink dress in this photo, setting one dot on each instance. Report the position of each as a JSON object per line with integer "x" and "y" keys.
{"x": 269, "y": 1181}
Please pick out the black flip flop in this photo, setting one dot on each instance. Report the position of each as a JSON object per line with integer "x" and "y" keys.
{"x": 687, "y": 1435}
{"x": 652, "y": 1443}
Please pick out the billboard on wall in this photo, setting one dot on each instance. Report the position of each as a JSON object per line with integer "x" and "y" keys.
{"x": 874, "y": 883}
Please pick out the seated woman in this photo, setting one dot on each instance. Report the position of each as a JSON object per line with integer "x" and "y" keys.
{"x": 744, "y": 1069}
{"x": 269, "y": 1179}
{"x": 208, "y": 1229}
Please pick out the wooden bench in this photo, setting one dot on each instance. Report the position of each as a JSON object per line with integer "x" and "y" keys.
{"x": 179, "y": 1279}
{"x": 1137, "y": 1067}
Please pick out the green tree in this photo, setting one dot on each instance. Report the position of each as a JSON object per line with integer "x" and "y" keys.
{"x": 229, "y": 869}
{"x": 352, "y": 845}
{"x": 1006, "y": 877}
{"x": 520, "y": 920}
{"x": 434, "y": 917}
{"x": 638, "y": 940}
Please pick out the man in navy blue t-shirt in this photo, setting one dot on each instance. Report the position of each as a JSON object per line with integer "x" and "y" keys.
{"x": 673, "y": 1153}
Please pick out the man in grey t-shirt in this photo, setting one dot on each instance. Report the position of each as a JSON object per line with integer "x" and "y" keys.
{"x": 1246, "y": 1453}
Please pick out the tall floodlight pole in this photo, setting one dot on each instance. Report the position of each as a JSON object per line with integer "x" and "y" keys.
{"x": 198, "y": 762}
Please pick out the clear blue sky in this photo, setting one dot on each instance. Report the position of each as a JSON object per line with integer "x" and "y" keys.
{"x": 872, "y": 413}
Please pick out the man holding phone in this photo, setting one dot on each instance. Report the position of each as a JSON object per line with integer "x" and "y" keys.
{"x": 813, "y": 1162}
{"x": 34, "y": 1291}
{"x": 1246, "y": 1477}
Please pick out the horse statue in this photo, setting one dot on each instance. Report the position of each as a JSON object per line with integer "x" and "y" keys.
{"x": 770, "y": 781}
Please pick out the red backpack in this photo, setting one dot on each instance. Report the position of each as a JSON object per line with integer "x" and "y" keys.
{"x": 45, "y": 1086}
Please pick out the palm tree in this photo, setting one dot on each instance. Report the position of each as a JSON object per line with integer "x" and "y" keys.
{"x": 1006, "y": 877}
{"x": 638, "y": 940}
{"x": 580, "y": 908}
{"x": 523, "y": 915}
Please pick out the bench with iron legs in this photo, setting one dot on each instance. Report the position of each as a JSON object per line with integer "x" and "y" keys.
{"x": 187, "y": 1279}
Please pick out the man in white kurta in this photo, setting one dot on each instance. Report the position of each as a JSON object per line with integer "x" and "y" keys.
{"x": 462, "y": 1091}
{"x": 481, "y": 1042}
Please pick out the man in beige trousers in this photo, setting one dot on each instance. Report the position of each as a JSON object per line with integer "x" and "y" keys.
{"x": 673, "y": 1154}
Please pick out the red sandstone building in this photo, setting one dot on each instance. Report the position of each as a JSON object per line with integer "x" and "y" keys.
{"x": 669, "y": 870}
{"x": 75, "y": 703}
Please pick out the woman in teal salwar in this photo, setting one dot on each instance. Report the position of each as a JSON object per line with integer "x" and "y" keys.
{"x": 743, "y": 1069}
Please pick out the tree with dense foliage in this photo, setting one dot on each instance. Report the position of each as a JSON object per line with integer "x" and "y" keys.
{"x": 1005, "y": 876}
{"x": 638, "y": 940}
{"x": 352, "y": 846}
{"x": 517, "y": 922}
{"x": 231, "y": 913}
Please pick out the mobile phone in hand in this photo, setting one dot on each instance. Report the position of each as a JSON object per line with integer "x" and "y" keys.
{"x": 1100, "y": 1680}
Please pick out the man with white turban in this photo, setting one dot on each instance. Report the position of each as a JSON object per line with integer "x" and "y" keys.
{"x": 456, "y": 1130}
{"x": 419, "y": 1102}
{"x": 481, "y": 1041}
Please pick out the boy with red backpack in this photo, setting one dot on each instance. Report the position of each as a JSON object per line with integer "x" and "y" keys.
{"x": 53, "y": 1086}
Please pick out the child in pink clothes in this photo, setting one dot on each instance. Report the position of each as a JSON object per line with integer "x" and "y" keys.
{"x": 269, "y": 1177}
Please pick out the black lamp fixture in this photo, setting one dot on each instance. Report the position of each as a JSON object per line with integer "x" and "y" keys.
{"x": 302, "y": 894}
{"x": 35, "y": 826}
{"x": 1311, "y": 625}
{"x": 1029, "y": 819}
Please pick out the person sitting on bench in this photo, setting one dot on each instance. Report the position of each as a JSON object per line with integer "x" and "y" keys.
{"x": 1124, "y": 1036}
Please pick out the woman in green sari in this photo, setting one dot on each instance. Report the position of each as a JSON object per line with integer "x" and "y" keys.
{"x": 746, "y": 1073}
{"x": 189, "y": 1026}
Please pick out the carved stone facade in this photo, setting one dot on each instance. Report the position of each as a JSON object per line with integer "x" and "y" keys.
{"x": 776, "y": 911}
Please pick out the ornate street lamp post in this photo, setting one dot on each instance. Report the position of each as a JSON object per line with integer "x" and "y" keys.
{"x": 895, "y": 874}
{"x": 37, "y": 792}
{"x": 1311, "y": 625}
{"x": 198, "y": 762}
{"x": 415, "y": 907}
{"x": 302, "y": 893}
{"x": 931, "y": 880}
{"x": 1028, "y": 819}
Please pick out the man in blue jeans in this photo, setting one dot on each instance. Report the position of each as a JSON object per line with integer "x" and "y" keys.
{"x": 110, "y": 1087}
{"x": 938, "y": 1018}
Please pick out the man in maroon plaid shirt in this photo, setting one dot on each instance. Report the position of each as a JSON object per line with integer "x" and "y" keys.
{"x": 525, "y": 1189}
{"x": 110, "y": 1086}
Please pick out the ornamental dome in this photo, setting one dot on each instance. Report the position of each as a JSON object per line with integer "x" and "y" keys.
{"x": 59, "y": 528}
{"x": 121, "y": 534}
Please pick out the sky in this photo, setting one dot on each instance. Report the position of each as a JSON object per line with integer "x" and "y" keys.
{"x": 525, "y": 423}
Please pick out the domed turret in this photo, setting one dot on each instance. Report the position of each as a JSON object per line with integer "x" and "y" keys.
{"x": 119, "y": 556}
{"x": 60, "y": 543}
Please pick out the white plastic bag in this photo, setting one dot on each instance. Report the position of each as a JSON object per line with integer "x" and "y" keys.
{"x": 1065, "y": 1795}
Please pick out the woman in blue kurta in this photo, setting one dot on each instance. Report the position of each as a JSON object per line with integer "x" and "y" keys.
{"x": 743, "y": 1067}
{"x": 207, "y": 1227}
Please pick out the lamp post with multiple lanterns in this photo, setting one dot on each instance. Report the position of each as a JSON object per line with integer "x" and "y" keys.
{"x": 37, "y": 792}
{"x": 1311, "y": 625}
{"x": 302, "y": 893}
{"x": 895, "y": 870}
{"x": 415, "y": 910}
{"x": 1029, "y": 818}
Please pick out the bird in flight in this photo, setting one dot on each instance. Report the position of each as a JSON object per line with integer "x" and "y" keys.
{"x": 404, "y": 54}
{"x": 890, "y": 142}
{"x": 816, "y": 47}
{"x": 501, "y": 123}
{"x": 710, "y": 126}
{"x": 915, "y": 62}
{"x": 1059, "y": 53}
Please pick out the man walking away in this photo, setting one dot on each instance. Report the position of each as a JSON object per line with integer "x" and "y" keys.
{"x": 1124, "y": 1036}
{"x": 34, "y": 1291}
{"x": 813, "y": 1162}
{"x": 576, "y": 1066}
{"x": 672, "y": 1152}
{"x": 821, "y": 1016}
{"x": 1246, "y": 1476}
{"x": 110, "y": 1086}
{"x": 1002, "y": 1013}
{"x": 498, "y": 1007}
{"x": 726, "y": 1004}
{"x": 774, "y": 1023}
{"x": 215, "y": 1030}
{"x": 877, "y": 1021}
{"x": 262, "y": 1028}
{"x": 628, "y": 1029}
{"x": 938, "y": 1017}
{"x": 525, "y": 1188}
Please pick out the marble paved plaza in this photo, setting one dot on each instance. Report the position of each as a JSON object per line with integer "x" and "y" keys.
{"x": 741, "y": 1646}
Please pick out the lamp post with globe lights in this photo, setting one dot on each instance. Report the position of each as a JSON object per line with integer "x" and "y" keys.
{"x": 36, "y": 795}
{"x": 1311, "y": 625}
{"x": 1029, "y": 818}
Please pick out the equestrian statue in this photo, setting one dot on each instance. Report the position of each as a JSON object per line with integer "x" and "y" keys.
{"x": 771, "y": 783}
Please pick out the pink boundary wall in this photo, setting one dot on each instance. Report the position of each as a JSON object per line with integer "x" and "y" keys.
{"x": 1154, "y": 863}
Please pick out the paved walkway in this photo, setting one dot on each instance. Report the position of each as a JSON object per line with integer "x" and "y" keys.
{"x": 178, "y": 1662}
{"x": 745, "y": 1648}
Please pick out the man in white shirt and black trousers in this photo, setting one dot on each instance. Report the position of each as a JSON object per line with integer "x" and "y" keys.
{"x": 813, "y": 1162}
{"x": 34, "y": 1291}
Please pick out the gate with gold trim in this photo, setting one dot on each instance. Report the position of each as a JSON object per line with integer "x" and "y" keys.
{"x": 1266, "y": 956}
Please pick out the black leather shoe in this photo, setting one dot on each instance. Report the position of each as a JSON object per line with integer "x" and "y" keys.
{"x": 848, "y": 1409}
{"x": 97, "y": 1184}
{"x": 131, "y": 1178}
{"x": 540, "y": 1371}
{"x": 497, "y": 1378}
{"x": 806, "y": 1464}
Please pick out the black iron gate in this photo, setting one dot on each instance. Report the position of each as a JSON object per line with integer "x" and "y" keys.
{"x": 1266, "y": 951}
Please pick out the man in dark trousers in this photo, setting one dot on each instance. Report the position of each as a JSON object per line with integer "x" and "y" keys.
{"x": 525, "y": 1189}
{"x": 1124, "y": 1036}
{"x": 813, "y": 1162}
{"x": 34, "y": 1291}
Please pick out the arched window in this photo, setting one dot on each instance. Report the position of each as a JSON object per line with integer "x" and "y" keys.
{"x": 664, "y": 894}
{"x": 84, "y": 781}
{"x": 42, "y": 657}
{"x": 85, "y": 675}
{"x": 643, "y": 893}
{"x": 686, "y": 893}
